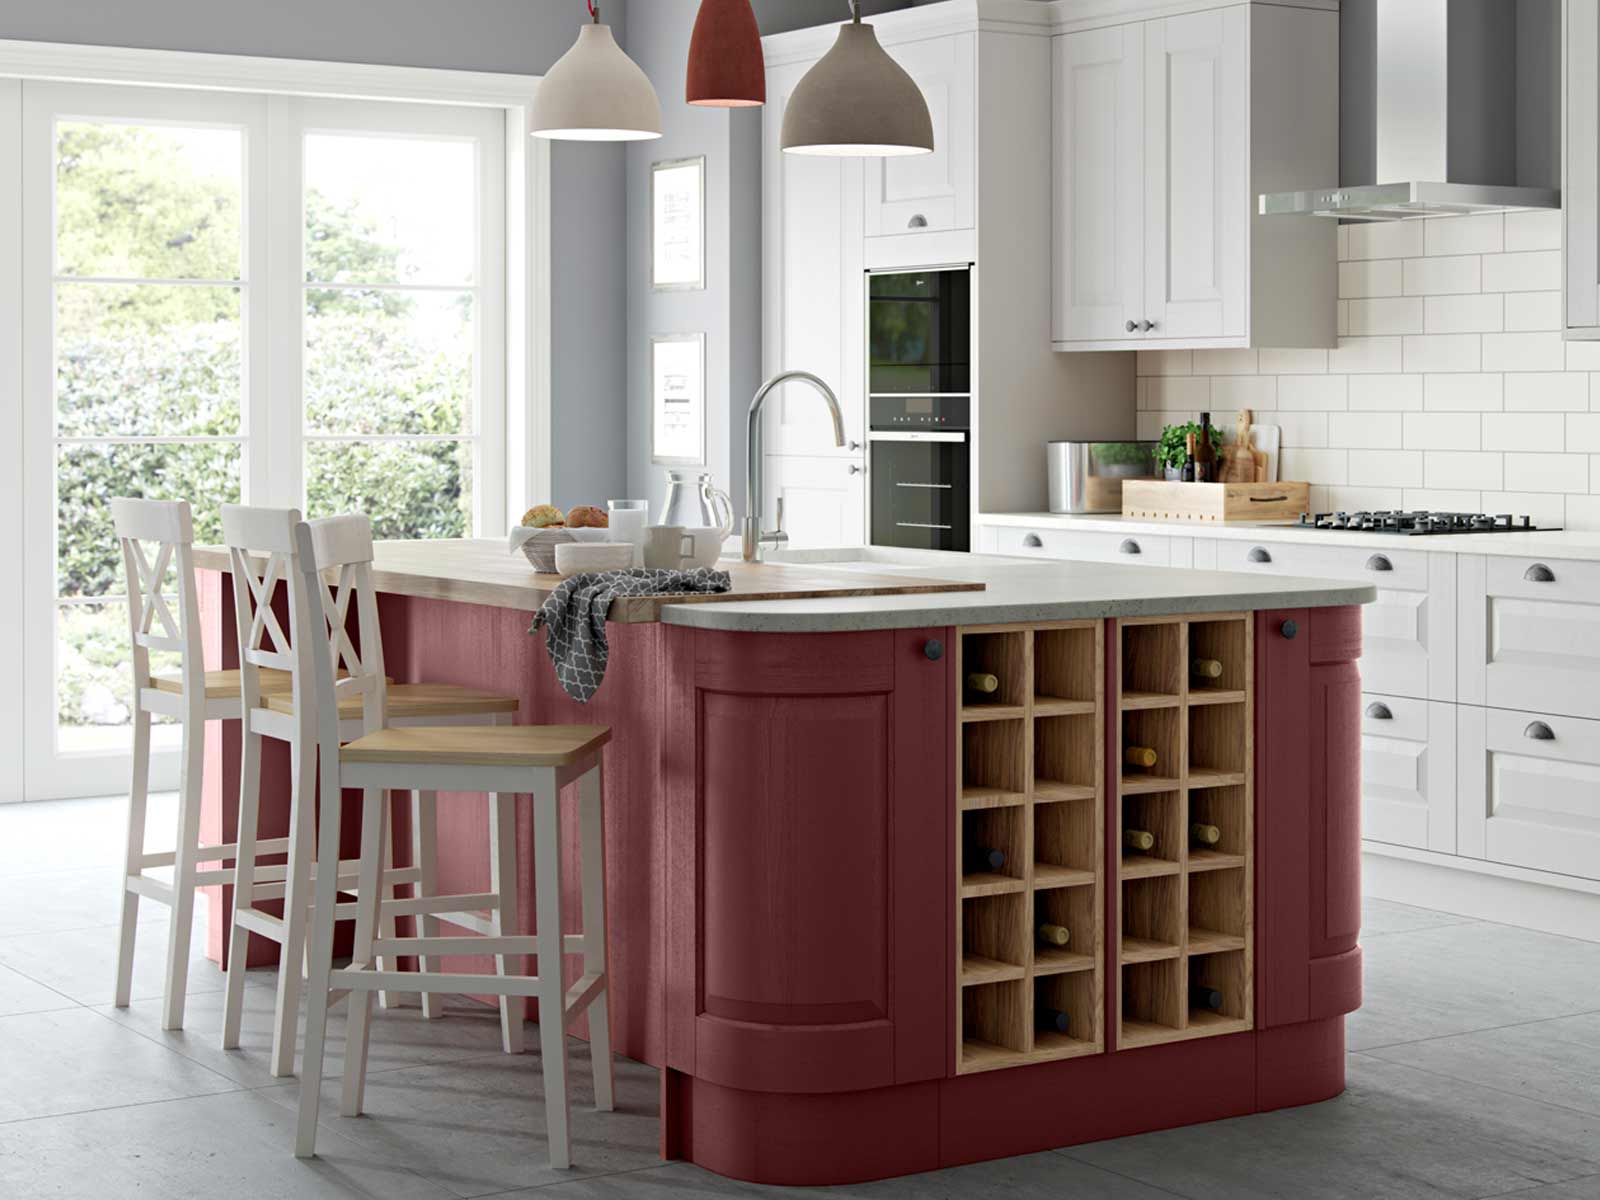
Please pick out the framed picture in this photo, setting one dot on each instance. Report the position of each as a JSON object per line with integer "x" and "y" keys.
{"x": 678, "y": 399}
{"x": 678, "y": 225}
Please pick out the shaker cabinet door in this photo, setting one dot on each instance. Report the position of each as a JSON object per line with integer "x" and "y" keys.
{"x": 824, "y": 500}
{"x": 1099, "y": 189}
{"x": 922, "y": 193}
{"x": 1530, "y": 633}
{"x": 1408, "y": 772}
{"x": 1196, "y": 174}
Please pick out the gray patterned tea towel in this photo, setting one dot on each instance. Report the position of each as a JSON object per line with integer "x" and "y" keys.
{"x": 575, "y": 615}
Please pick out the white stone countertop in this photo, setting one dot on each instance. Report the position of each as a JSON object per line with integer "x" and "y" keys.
{"x": 1547, "y": 544}
{"x": 1018, "y": 590}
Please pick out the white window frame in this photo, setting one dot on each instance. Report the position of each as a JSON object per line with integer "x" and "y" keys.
{"x": 516, "y": 350}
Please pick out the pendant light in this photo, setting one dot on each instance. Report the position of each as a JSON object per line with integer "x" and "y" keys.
{"x": 726, "y": 66}
{"x": 857, "y": 102}
{"x": 595, "y": 93}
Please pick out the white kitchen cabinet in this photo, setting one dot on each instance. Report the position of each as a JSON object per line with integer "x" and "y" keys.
{"x": 824, "y": 499}
{"x": 929, "y": 193}
{"x": 1408, "y": 633}
{"x": 1408, "y": 771}
{"x": 1086, "y": 545}
{"x": 813, "y": 285}
{"x": 1529, "y": 787}
{"x": 1166, "y": 131}
{"x": 1530, "y": 633}
{"x": 1580, "y": 163}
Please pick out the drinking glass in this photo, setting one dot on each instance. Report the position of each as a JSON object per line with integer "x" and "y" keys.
{"x": 628, "y": 519}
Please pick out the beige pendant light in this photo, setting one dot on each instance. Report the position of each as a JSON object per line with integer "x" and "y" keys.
{"x": 857, "y": 102}
{"x": 595, "y": 93}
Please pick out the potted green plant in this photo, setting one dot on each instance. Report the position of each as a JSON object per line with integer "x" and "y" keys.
{"x": 1174, "y": 445}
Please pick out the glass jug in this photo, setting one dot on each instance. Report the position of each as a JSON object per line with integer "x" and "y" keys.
{"x": 694, "y": 502}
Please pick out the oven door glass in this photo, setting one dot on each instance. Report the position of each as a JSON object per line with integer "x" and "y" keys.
{"x": 919, "y": 333}
{"x": 920, "y": 494}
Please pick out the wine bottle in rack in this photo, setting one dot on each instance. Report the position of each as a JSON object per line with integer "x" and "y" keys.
{"x": 984, "y": 858}
{"x": 1139, "y": 756}
{"x": 1204, "y": 835}
{"x": 1051, "y": 1020}
{"x": 1203, "y": 997}
{"x": 1054, "y": 935}
{"x": 1138, "y": 839}
{"x": 1206, "y": 668}
{"x": 983, "y": 683}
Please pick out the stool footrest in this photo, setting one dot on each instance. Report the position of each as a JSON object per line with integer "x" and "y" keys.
{"x": 357, "y": 979}
{"x": 256, "y": 921}
{"x": 454, "y": 945}
{"x": 154, "y": 889}
{"x": 581, "y": 994}
{"x": 411, "y": 906}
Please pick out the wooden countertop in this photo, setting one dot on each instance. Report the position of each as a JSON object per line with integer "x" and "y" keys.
{"x": 482, "y": 571}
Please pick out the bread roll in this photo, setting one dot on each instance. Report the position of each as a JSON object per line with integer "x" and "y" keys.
{"x": 543, "y": 516}
{"x": 586, "y": 516}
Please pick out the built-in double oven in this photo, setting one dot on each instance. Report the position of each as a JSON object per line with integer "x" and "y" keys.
{"x": 919, "y": 408}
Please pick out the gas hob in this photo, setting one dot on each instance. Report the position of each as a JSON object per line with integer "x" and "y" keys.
{"x": 1420, "y": 523}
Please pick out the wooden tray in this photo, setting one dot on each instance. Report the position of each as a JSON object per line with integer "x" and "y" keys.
{"x": 1162, "y": 500}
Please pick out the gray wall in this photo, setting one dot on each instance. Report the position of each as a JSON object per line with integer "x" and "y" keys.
{"x": 588, "y": 285}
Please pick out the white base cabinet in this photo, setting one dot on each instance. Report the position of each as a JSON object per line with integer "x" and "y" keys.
{"x": 1408, "y": 772}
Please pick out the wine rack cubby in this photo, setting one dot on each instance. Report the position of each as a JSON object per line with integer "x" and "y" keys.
{"x": 1031, "y": 777}
{"x": 1184, "y": 916}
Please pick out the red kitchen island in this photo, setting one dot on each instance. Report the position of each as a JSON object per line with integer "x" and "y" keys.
{"x": 804, "y": 942}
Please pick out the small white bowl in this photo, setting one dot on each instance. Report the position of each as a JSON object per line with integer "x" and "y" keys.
{"x": 579, "y": 558}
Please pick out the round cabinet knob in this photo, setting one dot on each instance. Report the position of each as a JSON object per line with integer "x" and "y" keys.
{"x": 1132, "y": 326}
{"x": 1379, "y": 562}
{"x": 1147, "y": 326}
{"x": 1380, "y": 711}
{"x": 1033, "y": 541}
{"x": 1129, "y": 546}
{"x": 1289, "y": 630}
{"x": 1539, "y": 732}
{"x": 1539, "y": 573}
{"x": 852, "y": 446}
{"x": 1259, "y": 554}
{"x": 857, "y": 469}
{"x": 933, "y": 649}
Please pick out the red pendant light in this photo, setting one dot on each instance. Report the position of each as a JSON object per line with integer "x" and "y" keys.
{"x": 726, "y": 66}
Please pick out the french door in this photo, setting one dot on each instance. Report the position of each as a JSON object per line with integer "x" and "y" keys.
{"x": 231, "y": 297}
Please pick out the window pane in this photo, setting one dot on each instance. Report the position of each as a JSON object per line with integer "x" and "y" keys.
{"x": 147, "y": 359}
{"x": 408, "y": 489}
{"x": 148, "y": 201}
{"x": 388, "y": 362}
{"x": 382, "y": 209}
{"x": 94, "y": 680}
{"x": 88, "y": 559}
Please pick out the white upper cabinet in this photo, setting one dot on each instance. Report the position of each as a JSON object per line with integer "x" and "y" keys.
{"x": 1580, "y": 161}
{"x": 1165, "y": 132}
{"x": 813, "y": 286}
{"x": 920, "y": 193}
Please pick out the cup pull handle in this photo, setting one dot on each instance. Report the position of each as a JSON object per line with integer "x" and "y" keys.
{"x": 1129, "y": 546}
{"x": 1259, "y": 554}
{"x": 917, "y": 222}
{"x": 1033, "y": 540}
{"x": 1379, "y": 562}
{"x": 1539, "y": 732}
{"x": 1539, "y": 573}
{"x": 1379, "y": 711}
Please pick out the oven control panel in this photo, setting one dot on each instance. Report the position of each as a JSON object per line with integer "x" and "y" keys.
{"x": 953, "y": 413}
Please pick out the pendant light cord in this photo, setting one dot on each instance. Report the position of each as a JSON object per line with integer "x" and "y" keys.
{"x": 594, "y": 11}
{"x": 855, "y": 10}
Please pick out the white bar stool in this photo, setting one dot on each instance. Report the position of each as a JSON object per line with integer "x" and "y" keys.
{"x": 505, "y": 760}
{"x": 365, "y": 699}
{"x": 157, "y": 539}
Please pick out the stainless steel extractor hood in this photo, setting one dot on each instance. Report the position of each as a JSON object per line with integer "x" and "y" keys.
{"x": 1447, "y": 107}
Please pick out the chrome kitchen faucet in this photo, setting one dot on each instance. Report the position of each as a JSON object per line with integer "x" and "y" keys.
{"x": 754, "y": 539}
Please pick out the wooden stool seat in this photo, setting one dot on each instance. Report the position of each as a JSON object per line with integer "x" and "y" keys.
{"x": 480, "y": 745}
{"x": 224, "y": 685}
{"x": 405, "y": 701}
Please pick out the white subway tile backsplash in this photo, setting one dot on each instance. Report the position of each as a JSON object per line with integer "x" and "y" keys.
{"x": 1365, "y": 356}
{"x": 1523, "y": 351}
{"x": 1382, "y": 277}
{"x": 1177, "y": 392}
{"x": 1327, "y": 467}
{"x": 1443, "y": 500}
{"x": 1365, "y": 430}
{"x": 1444, "y": 352}
{"x": 1475, "y": 470}
{"x": 1533, "y": 230}
{"x": 1225, "y": 362}
{"x": 1147, "y": 426}
{"x": 1583, "y": 432}
{"x": 1546, "y": 472}
{"x": 1341, "y": 310}
{"x": 1533, "y": 310}
{"x": 1528, "y": 271}
{"x": 1547, "y": 391}
{"x": 1524, "y": 431}
{"x": 1583, "y": 513}
{"x": 1302, "y": 430}
{"x": 1165, "y": 362}
{"x": 1583, "y": 356}
{"x": 1361, "y": 499}
{"x": 1477, "y": 313}
{"x": 1319, "y": 393}
{"x": 1484, "y": 234}
{"x": 1385, "y": 239}
{"x": 1439, "y": 276}
{"x": 1294, "y": 362}
{"x": 1443, "y": 431}
{"x": 1463, "y": 393}
{"x": 1389, "y": 314}
{"x": 1385, "y": 393}
{"x": 1385, "y": 468}
{"x": 1546, "y": 510}
{"x": 1232, "y": 392}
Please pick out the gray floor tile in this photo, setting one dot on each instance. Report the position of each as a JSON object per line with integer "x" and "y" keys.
{"x": 75, "y": 1060}
{"x": 1379, "y": 917}
{"x": 19, "y": 994}
{"x": 72, "y": 835}
{"x": 1032, "y": 1177}
{"x": 1396, "y": 1134}
{"x": 478, "y": 1127}
{"x": 54, "y": 901}
{"x": 236, "y": 1146}
{"x": 82, "y": 963}
{"x": 1577, "y": 1189}
{"x": 1554, "y": 1061}
{"x": 1460, "y": 978}
{"x": 401, "y": 1038}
